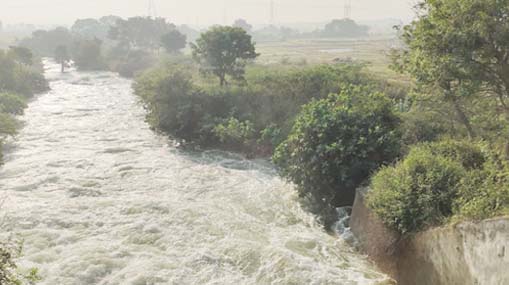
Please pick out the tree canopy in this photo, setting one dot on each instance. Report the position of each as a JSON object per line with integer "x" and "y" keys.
{"x": 459, "y": 49}
{"x": 21, "y": 54}
{"x": 45, "y": 42}
{"x": 87, "y": 54}
{"x": 337, "y": 142}
{"x": 344, "y": 28}
{"x": 90, "y": 29}
{"x": 141, "y": 32}
{"x": 223, "y": 51}
{"x": 173, "y": 41}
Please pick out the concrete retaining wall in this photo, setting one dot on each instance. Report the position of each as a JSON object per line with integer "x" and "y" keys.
{"x": 466, "y": 253}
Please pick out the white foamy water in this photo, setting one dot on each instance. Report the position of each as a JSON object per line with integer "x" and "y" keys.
{"x": 99, "y": 198}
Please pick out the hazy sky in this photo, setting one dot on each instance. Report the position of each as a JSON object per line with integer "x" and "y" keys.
{"x": 202, "y": 12}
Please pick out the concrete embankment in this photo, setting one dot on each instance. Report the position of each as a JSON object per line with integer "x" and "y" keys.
{"x": 464, "y": 253}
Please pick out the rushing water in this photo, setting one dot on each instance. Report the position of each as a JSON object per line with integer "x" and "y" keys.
{"x": 99, "y": 198}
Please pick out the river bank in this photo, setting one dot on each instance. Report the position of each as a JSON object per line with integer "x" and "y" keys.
{"x": 21, "y": 77}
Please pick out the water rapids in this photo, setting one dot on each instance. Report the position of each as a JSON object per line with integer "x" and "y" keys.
{"x": 99, "y": 198}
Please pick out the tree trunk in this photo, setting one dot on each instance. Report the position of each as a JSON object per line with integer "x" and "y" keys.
{"x": 506, "y": 112}
{"x": 502, "y": 96}
{"x": 62, "y": 67}
{"x": 463, "y": 118}
{"x": 222, "y": 80}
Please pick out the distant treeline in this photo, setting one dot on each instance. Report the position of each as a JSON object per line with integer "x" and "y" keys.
{"x": 109, "y": 43}
{"x": 338, "y": 28}
{"x": 130, "y": 45}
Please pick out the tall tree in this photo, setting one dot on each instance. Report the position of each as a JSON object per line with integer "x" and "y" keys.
{"x": 141, "y": 32}
{"x": 44, "y": 42}
{"x": 223, "y": 51}
{"x": 87, "y": 54}
{"x": 344, "y": 28}
{"x": 441, "y": 50}
{"x": 173, "y": 41}
{"x": 62, "y": 56}
{"x": 90, "y": 29}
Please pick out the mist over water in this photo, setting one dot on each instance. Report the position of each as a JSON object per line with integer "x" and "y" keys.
{"x": 99, "y": 198}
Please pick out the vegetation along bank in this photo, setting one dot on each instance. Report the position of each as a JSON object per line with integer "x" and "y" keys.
{"x": 21, "y": 77}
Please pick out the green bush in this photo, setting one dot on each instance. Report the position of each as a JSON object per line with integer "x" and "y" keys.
{"x": 484, "y": 193}
{"x": 271, "y": 135}
{"x": 416, "y": 193}
{"x": 87, "y": 54}
{"x": 18, "y": 78}
{"x": 470, "y": 155}
{"x": 161, "y": 89}
{"x": 234, "y": 132}
{"x": 18, "y": 81}
{"x": 9, "y": 274}
{"x": 336, "y": 143}
{"x": 437, "y": 181}
{"x": 186, "y": 105}
{"x": 421, "y": 127}
{"x": 8, "y": 125}
{"x": 12, "y": 104}
{"x": 29, "y": 81}
{"x": 132, "y": 64}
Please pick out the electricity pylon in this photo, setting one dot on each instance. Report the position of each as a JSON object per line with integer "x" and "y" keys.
{"x": 152, "y": 10}
{"x": 348, "y": 9}
{"x": 271, "y": 20}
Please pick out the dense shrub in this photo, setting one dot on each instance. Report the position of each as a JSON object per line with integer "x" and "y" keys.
{"x": 187, "y": 106}
{"x": 437, "y": 181}
{"x": 470, "y": 155}
{"x": 234, "y": 132}
{"x": 87, "y": 55}
{"x": 8, "y": 125}
{"x": 132, "y": 64}
{"x": 18, "y": 78}
{"x": 484, "y": 193}
{"x": 9, "y": 274}
{"x": 337, "y": 142}
{"x": 420, "y": 127}
{"x": 12, "y": 104}
{"x": 416, "y": 193}
{"x": 178, "y": 107}
{"x": 30, "y": 81}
